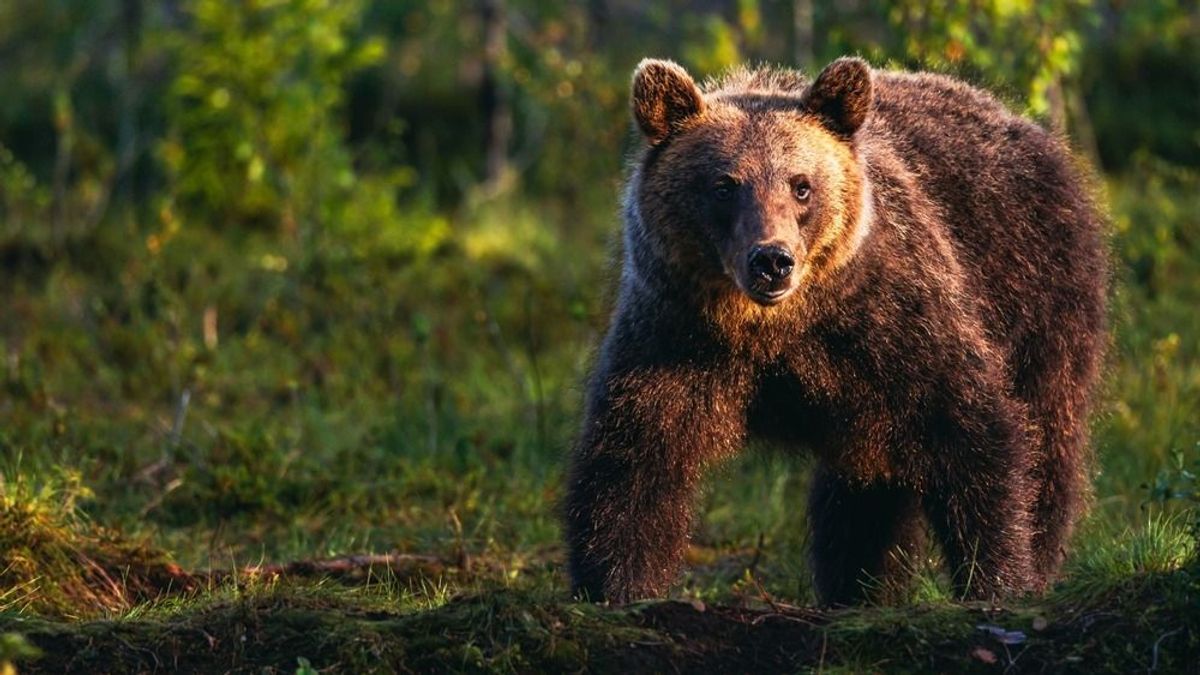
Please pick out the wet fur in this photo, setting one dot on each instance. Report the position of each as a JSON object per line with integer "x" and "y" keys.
{"x": 938, "y": 357}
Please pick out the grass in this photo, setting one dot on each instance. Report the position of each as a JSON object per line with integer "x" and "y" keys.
{"x": 175, "y": 400}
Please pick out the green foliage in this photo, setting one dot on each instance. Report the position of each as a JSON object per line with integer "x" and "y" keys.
{"x": 1155, "y": 390}
{"x": 24, "y": 204}
{"x": 255, "y": 136}
{"x": 1178, "y": 485}
{"x": 253, "y": 131}
{"x": 13, "y": 648}
{"x": 1031, "y": 46}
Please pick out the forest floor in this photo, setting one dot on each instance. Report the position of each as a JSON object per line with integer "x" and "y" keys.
{"x": 385, "y": 613}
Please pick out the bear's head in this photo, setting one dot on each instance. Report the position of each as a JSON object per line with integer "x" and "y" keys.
{"x": 751, "y": 186}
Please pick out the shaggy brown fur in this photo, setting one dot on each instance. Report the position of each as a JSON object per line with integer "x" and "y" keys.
{"x": 888, "y": 269}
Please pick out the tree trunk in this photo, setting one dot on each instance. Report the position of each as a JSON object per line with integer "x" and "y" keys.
{"x": 64, "y": 127}
{"x": 802, "y": 33}
{"x": 1080, "y": 124}
{"x": 598, "y": 16}
{"x": 127, "y": 126}
{"x": 494, "y": 99}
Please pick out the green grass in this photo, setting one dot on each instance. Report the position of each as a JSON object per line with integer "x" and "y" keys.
{"x": 173, "y": 395}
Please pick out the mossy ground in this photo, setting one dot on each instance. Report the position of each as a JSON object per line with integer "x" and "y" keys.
{"x": 1150, "y": 624}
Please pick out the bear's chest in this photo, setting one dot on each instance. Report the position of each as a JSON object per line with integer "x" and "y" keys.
{"x": 838, "y": 403}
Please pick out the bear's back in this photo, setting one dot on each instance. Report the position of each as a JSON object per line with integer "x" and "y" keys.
{"x": 976, "y": 159}
{"x": 1013, "y": 203}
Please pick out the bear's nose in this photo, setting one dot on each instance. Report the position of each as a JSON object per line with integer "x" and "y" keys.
{"x": 770, "y": 263}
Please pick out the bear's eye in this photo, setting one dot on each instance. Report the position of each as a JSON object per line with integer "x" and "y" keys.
{"x": 724, "y": 188}
{"x": 801, "y": 190}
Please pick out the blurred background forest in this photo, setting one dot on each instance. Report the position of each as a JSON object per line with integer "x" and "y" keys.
{"x": 290, "y": 278}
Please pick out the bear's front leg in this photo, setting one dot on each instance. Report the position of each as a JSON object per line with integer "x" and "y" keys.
{"x": 649, "y": 433}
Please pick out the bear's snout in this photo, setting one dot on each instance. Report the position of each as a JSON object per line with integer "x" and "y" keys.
{"x": 768, "y": 273}
{"x": 771, "y": 264}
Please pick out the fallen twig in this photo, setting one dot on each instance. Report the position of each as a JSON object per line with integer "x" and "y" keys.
{"x": 1154, "y": 652}
{"x": 346, "y": 567}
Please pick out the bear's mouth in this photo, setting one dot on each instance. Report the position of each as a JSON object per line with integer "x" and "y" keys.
{"x": 768, "y": 297}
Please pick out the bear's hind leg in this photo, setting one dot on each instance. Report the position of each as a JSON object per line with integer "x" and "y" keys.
{"x": 980, "y": 496}
{"x": 864, "y": 539}
{"x": 1061, "y": 477}
{"x": 1056, "y": 384}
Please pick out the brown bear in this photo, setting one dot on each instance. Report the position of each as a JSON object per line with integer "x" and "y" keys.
{"x": 889, "y": 270}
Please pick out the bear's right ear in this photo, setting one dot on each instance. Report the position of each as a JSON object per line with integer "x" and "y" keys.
{"x": 664, "y": 96}
{"x": 841, "y": 96}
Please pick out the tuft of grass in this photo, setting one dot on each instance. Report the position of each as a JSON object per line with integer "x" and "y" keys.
{"x": 1164, "y": 545}
{"x": 55, "y": 562}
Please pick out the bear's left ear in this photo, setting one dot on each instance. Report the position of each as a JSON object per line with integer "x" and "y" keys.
{"x": 841, "y": 96}
{"x": 664, "y": 96}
